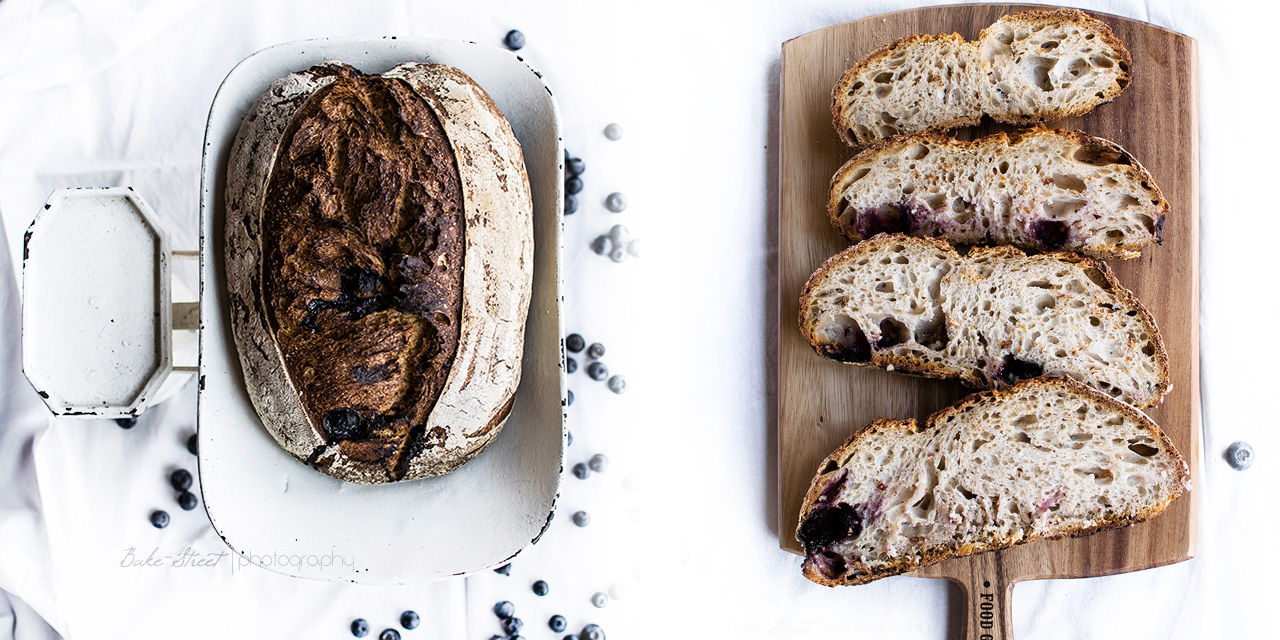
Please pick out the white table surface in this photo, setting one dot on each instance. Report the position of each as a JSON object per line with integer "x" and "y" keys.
{"x": 116, "y": 92}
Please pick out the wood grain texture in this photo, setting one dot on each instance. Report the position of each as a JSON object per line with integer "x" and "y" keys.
{"x": 820, "y": 402}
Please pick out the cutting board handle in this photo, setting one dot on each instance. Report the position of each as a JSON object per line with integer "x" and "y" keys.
{"x": 987, "y": 599}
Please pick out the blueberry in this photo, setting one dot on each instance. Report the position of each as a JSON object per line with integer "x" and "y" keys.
{"x": 541, "y": 588}
{"x": 359, "y": 627}
{"x": 597, "y": 371}
{"x": 618, "y": 384}
{"x": 159, "y": 519}
{"x": 616, "y": 202}
{"x": 514, "y": 40}
{"x": 827, "y": 525}
{"x": 557, "y": 623}
{"x": 127, "y": 423}
{"x": 409, "y": 620}
{"x": 1013, "y": 370}
{"x": 181, "y": 480}
{"x": 1239, "y": 455}
{"x": 885, "y": 218}
{"x": 187, "y": 500}
{"x": 575, "y": 343}
{"x": 599, "y": 600}
{"x": 581, "y": 471}
{"x": 591, "y": 632}
{"x": 613, "y": 131}
{"x": 596, "y": 350}
{"x": 599, "y": 462}
{"x": 512, "y": 626}
{"x": 573, "y": 185}
{"x": 570, "y": 204}
{"x": 569, "y": 435}
{"x": 574, "y": 167}
{"x": 581, "y": 518}
{"x": 191, "y": 444}
{"x": 504, "y": 609}
{"x": 570, "y": 365}
{"x": 1051, "y": 234}
{"x": 389, "y": 634}
{"x": 569, "y": 399}
{"x": 504, "y": 569}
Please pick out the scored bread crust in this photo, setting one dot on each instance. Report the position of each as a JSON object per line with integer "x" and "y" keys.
{"x": 964, "y": 104}
{"x": 497, "y": 273}
{"x": 834, "y": 463}
{"x": 1003, "y": 189}
{"x": 967, "y": 373}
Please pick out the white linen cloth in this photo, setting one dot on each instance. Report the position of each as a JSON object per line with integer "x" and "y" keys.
{"x": 116, "y": 92}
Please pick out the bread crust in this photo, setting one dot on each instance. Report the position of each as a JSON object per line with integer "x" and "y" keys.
{"x": 914, "y": 366}
{"x": 497, "y": 278}
{"x": 842, "y": 454}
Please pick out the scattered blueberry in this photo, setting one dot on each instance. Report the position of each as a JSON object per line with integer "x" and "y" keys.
{"x": 596, "y": 350}
{"x": 617, "y": 244}
{"x": 597, "y": 371}
{"x": 573, "y": 185}
{"x": 504, "y": 569}
{"x": 581, "y": 518}
{"x": 575, "y": 343}
{"x": 389, "y": 634}
{"x": 359, "y": 627}
{"x": 574, "y": 167}
{"x": 581, "y": 471}
{"x": 557, "y": 623}
{"x": 570, "y": 365}
{"x": 599, "y": 600}
{"x": 504, "y": 609}
{"x": 616, "y": 202}
{"x": 570, "y": 399}
{"x": 618, "y": 384}
{"x": 514, "y": 40}
{"x": 497, "y": 637}
{"x": 591, "y": 632}
{"x": 409, "y": 620}
{"x": 159, "y": 519}
{"x": 1239, "y": 455}
{"x": 180, "y": 479}
{"x": 541, "y": 588}
{"x": 599, "y": 462}
{"x": 570, "y": 204}
{"x": 191, "y": 444}
{"x": 613, "y": 131}
{"x": 187, "y": 500}
{"x": 512, "y": 626}
{"x": 127, "y": 423}
{"x": 570, "y": 438}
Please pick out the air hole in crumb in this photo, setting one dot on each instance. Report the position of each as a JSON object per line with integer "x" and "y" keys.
{"x": 1143, "y": 450}
{"x": 1068, "y": 181}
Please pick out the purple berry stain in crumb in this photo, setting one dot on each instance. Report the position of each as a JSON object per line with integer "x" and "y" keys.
{"x": 1051, "y": 234}
{"x": 885, "y": 218}
{"x": 826, "y": 526}
{"x": 844, "y": 341}
{"x": 1013, "y": 370}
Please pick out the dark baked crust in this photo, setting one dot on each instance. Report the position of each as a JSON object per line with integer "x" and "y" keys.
{"x": 363, "y": 250}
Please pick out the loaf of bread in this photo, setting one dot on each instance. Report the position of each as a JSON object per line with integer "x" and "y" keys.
{"x": 1039, "y": 189}
{"x": 1030, "y": 67}
{"x": 990, "y": 318}
{"x": 379, "y": 242}
{"x": 1048, "y": 458}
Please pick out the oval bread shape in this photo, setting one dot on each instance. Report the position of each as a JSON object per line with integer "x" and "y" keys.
{"x": 1049, "y": 458}
{"x": 379, "y": 245}
{"x": 1031, "y": 67}
{"x": 1039, "y": 189}
{"x": 990, "y": 318}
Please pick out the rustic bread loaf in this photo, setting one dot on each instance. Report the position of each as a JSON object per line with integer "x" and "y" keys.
{"x": 379, "y": 240}
{"x": 1030, "y": 67}
{"x": 990, "y": 318}
{"x": 1041, "y": 189}
{"x": 1048, "y": 458}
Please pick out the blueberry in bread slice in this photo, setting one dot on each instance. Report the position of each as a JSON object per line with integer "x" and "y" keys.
{"x": 1038, "y": 189}
{"x": 990, "y": 318}
{"x": 1030, "y": 67}
{"x": 1048, "y": 458}
{"x": 379, "y": 238}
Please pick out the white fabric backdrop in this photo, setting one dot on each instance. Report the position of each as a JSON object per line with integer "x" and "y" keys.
{"x": 116, "y": 92}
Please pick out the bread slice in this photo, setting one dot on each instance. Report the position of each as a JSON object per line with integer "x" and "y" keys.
{"x": 1039, "y": 189}
{"x": 1048, "y": 458}
{"x": 990, "y": 318}
{"x": 1029, "y": 67}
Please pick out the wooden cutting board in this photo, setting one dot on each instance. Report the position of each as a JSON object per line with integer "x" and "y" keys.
{"x": 820, "y": 402}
